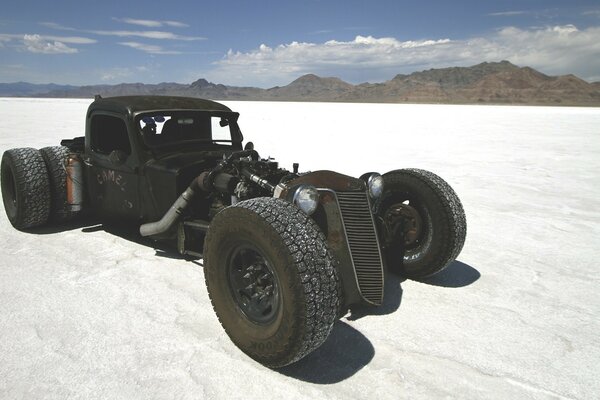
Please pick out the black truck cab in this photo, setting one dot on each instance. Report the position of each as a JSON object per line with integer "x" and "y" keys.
{"x": 141, "y": 152}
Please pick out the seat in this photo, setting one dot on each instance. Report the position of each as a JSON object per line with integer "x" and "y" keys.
{"x": 170, "y": 131}
{"x": 149, "y": 134}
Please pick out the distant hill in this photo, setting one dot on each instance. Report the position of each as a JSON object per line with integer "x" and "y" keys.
{"x": 496, "y": 83}
{"x": 485, "y": 83}
{"x": 29, "y": 89}
{"x": 311, "y": 88}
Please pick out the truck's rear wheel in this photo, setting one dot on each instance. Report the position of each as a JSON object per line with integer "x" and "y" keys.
{"x": 272, "y": 280}
{"x": 25, "y": 187}
{"x": 423, "y": 223}
{"x": 55, "y": 157}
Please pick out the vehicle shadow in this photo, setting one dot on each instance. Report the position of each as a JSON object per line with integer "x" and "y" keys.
{"x": 345, "y": 352}
{"x": 164, "y": 249}
{"x": 82, "y": 223}
{"x": 456, "y": 275}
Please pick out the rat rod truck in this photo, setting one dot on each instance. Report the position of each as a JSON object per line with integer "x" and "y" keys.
{"x": 285, "y": 253}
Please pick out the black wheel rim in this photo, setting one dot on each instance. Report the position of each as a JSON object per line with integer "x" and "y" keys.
{"x": 406, "y": 224}
{"x": 253, "y": 284}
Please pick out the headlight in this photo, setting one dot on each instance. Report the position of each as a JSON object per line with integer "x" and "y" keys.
{"x": 306, "y": 198}
{"x": 374, "y": 184}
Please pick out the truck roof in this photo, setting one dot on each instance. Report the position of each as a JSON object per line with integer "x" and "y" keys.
{"x": 135, "y": 104}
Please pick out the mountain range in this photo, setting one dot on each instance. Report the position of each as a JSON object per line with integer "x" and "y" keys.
{"x": 485, "y": 83}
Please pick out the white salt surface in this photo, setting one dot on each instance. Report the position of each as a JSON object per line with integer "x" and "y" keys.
{"x": 85, "y": 313}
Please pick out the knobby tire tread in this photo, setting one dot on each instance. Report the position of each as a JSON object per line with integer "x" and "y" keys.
{"x": 32, "y": 186}
{"x": 454, "y": 236}
{"x": 321, "y": 293}
{"x": 55, "y": 157}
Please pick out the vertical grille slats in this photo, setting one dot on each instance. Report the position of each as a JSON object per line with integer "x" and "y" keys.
{"x": 363, "y": 244}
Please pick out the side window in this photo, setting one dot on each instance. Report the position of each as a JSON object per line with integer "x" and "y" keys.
{"x": 109, "y": 133}
{"x": 220, "y": 131}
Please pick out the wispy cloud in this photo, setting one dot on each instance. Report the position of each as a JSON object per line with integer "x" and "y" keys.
{"x": 17, "y": 67}
{"x": 37, "y": 44}
{"x": 506, "y": 13}
{"x": 592, "y": 13}
{"x": 151, "y": 23}
{"x": 321, "y": 32}
{"x": 70, "y": 39}
{"x": 116, "y": 74}
{"x": 65, "y": 39}
{"x": 554, "y": 50}
{"x": 151, "y": 49}
{"x": 161, "y": 35}
{"x": 52, "y": 44}
{"x": 45, "y": 44}
{"x": 149, "y": 34}
{"x": 54, "y": 25}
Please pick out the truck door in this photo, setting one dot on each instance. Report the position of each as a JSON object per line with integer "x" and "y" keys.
{"x": 112, "y": 174}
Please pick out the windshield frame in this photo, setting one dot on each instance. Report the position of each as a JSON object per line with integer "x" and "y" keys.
{"x": 231, "y": 117}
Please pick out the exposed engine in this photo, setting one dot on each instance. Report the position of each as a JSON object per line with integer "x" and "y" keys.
{"x": 240, "y": 176}
{"x": 243, "y": 175}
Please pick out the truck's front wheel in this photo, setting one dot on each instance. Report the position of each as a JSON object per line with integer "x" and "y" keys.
{"x": 272, "y": 280}
{"x": 25, "y": 187}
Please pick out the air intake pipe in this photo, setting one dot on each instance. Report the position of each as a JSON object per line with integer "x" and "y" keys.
{"x": 214, "y": 180}
{"x": 173, "y": 214}
{"x": 206, "y": 182}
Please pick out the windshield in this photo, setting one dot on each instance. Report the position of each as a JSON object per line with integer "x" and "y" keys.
{"x": 170, "y": 128}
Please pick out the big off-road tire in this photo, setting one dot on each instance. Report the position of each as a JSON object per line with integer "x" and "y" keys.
{"x": 424, "y": 226}
{"x": 55, "y": 157}
{"x": 25, "y": 187}
{"x": 271, "y": 279}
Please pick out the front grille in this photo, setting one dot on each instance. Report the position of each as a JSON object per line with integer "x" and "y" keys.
{"x": 364, "y": 247}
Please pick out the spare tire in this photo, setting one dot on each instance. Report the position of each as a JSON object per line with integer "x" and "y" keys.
{"x": 25, "y": 187}
{"x": 272, "y": 280}
{"x": 422, "y": 222}
{"x": 60, "y": 209}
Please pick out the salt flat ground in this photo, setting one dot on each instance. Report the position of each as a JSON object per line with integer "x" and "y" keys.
{"x": 85, "y": 313}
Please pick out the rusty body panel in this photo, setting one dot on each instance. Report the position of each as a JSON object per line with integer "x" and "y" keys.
{"x": 327, "y": 179}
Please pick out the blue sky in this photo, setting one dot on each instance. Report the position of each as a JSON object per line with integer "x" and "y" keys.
{"x": 269, "y": 43}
